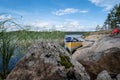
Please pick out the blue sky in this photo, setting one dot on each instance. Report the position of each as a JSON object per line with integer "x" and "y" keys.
{"x": 63, "y": 15}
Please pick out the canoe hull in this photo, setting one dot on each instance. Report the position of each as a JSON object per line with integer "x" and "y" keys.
{"x": 71, "y": 46}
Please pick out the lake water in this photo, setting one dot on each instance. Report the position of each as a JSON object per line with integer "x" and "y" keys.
{"x": 18, "y": 54}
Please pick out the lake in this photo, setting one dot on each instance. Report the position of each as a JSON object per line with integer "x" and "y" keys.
{"x": 18, "y": 54}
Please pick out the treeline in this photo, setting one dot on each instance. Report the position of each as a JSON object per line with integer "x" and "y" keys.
{"x": 113, "y": 19}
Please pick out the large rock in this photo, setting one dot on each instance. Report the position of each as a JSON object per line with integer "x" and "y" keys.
{"x": 106, "y": 60}
{"x": 100, "y": 44}
{"x": 104, "y": 54}
{"x": 118, "y": 77}
{"x": 104, "y": 75}
{"x": 89, "y": 40}
{"x": 105, "y": 43}
{"x": 47, "y": 61}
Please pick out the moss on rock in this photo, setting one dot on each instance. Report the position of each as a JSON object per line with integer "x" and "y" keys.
{"x": 65, "y": 61}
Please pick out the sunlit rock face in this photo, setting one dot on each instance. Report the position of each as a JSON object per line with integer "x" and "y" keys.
{"x": 47, "y": 61}
{"x": 104, "y": 54}
{"x": 106, "y": 60}
{"x": 103, "y": 43}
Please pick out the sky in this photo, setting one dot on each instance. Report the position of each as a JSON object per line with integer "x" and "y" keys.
{"x": 60, "y": 15}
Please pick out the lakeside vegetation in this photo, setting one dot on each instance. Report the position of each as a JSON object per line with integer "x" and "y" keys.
{"x": 45, "y": 35}
{"x": 10, "y": 41}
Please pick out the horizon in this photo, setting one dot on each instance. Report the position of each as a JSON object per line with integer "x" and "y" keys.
{"x": 57, "y": 15}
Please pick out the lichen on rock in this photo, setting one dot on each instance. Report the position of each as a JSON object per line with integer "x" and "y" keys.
{"x": 47, "y": 61}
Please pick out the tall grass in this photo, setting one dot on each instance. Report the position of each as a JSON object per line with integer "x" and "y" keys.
{"x": 33, "y": 36}
{"x": 9, "y": 41}
{"x": 8, "y": 44}
{"x": 40, "y": 35}
{"x": 6, "y": 47}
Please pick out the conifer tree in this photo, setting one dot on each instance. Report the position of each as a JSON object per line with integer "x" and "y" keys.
{"x": 113, "y": 18}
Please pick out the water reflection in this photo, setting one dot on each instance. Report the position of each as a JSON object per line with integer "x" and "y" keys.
{"x": 18, "y": 54}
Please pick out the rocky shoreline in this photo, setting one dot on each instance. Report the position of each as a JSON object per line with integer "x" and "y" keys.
{"x": 103, "y": 56}
{"x": 98, "y": 60}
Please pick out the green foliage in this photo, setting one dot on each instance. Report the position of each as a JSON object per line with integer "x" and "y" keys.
{"x": 113, "y": 18}
{"x": 8, "y": 44}
{"x": 1, "y": 78}
{"x": 86, "y": 34}
{"x": 65, "y": 61}
{"x": 9, "y": 41}
{"x": 98, "y": 28}
{"x": 28, "y": 37}
{"x": 40, "y": 35}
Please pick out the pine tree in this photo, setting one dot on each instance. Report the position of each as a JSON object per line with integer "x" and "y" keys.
{"x": 98, "y": 28}
{"x": 113, "y": 18}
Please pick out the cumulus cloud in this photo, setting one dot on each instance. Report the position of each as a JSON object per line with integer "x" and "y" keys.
{"x": 65, "y": 26}
{"x": 83, "y": 11}
{"x": 61, "y": 12}
{"x": 96, "y": 1}
{"x": 65, "y": 11}
{"x": 107, "y": 4}
{"x": 5, "y": 17}
{"x": 69, "y": 26}
{"x": 8, "y": 25}
{"x": 41, "y": 24}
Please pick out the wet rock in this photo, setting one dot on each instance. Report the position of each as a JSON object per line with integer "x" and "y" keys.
{"x": 103, "y": 76}
{"x": 47, "y": 61}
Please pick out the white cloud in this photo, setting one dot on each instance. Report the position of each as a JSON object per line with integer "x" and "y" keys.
{"x": 2, "y": 16}
{"x": 96, "y": 1}
{"x": 40, "y": 24}
{"x": 49, "y": 26}
{"x": 70, "y": 26}
{"x": 61, "y": 12}
{"x": 65, "y": 11}
{"x": 5, "y": 17}
{"x": 107, "y": 4}
{"x": 83, "y": 11}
